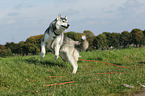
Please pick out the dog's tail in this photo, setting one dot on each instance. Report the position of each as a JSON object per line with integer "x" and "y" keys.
{"x": 84, "y": 44}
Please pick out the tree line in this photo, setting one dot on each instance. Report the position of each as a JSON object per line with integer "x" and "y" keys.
{"x": 104, "y": 41}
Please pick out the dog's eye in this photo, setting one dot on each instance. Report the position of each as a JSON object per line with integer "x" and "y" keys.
{"x": 63, "y": 20}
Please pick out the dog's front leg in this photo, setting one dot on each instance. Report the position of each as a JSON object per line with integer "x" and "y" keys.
{"x": 42, "y": 49}
{"x": 57, "y": 47}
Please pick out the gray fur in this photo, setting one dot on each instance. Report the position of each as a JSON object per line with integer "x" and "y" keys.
{"x": 69, "y": 51}
{"x": 55, "y": 29}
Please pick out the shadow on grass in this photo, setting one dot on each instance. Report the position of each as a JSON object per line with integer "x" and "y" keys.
{"x": 141, "y": 62}
{"x": 97, "y": 58}
{"x": 51, "y": 63}
{"x": 117, "y": 64}
{"x": 37, "y": 61}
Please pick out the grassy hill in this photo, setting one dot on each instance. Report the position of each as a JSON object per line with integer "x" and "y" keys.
{"x": 29, "y": 75}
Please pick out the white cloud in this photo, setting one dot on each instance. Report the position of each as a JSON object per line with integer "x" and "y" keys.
{"x": 13, "y": 13}
{"x": 11, "y": 22}
{"x": 33, "y": 16}
{"x": 70, "y": 11}
{"x": 131, "y": 8}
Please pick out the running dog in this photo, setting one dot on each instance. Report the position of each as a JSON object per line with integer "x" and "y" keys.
{"x": 55, "y": 30}
{"x": 55, "y": 39}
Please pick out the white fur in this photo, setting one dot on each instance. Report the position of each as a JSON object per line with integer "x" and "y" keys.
{"x": 72, "y": 57}
{"x": 49, "y": 37}
{"x": 70, "y": 53}
{"x": 56, "y": 45}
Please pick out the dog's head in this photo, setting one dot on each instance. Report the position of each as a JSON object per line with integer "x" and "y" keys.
{"x": 60, "y": 24}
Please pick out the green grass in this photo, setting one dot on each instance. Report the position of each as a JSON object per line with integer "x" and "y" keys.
{"x": 28, "y": 75}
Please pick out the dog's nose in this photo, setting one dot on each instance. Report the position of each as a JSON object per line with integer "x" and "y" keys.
{"x": 68, "y": 25}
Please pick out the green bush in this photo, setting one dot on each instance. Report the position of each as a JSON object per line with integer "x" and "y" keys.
{"x": 33, "y": 44}
{"x": 125, "y": 39}
{"x": 100, "y": 42}
{"x": 137, "y": 37}
{"x": 5, "y": 51}
{"x": 73, "y": 35}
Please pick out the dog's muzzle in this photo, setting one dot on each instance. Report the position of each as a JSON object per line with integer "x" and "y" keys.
{"x": 65, "y": 26}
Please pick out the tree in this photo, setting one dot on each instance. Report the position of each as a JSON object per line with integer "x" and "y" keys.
{"x": 109, "y": 37}
{"x": 144, "y": 33}
{"x": 13, "y": 46}
{"x": 5, "y": 51}
{"x": 33, "y": 44}
{"x": 89, "y": 34}
{"x": 90, "y": 37}
{"x": 125, "y": 39}
{"x": 113, "y": 39}
{"x": 101, "y": 42}
{"x": 137, "y": 37}
{"x": 144, "y": 36}
{"x": 75, "y": 36}
{"x": 22, "y": 50}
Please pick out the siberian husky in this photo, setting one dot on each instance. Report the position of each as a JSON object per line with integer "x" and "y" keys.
{"x": 55, "y": 29}
{"x": 55, "y": 39}
{"x": 69, "y": 49}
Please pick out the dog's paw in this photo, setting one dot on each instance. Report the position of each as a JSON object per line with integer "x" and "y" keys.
{"x": 56, "y": 57}
{"x": 75, "y": 69}
{"x": 73, "y": 72}
{"x": 42, "y": 55}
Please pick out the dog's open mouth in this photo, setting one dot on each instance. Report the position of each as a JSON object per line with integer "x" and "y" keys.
{"x": 65, "y": 26}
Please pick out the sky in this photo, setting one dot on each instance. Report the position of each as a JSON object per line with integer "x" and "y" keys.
{"x": 20, "y": 19}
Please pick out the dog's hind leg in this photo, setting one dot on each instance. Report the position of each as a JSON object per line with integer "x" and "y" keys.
{"x": 73, "y": 62}
{"x": 76, "y": 55}
{"x": 63, "y": 56}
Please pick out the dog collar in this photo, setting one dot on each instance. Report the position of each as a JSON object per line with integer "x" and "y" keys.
{"x": 56, "y": 33}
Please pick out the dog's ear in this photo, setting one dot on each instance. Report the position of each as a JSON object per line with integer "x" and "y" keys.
{"x": 65, "y": 17}
{"x": 58, "y": 16}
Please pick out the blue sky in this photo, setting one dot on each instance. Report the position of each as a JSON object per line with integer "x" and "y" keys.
{"x": 20, "y": 19}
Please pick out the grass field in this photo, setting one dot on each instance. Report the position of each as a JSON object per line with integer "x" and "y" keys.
{"x": 28, "y": 75}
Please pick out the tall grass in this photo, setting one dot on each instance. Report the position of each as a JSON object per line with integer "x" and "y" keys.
{"x": 28, "y": 75}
